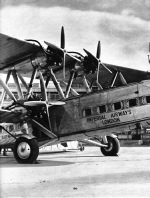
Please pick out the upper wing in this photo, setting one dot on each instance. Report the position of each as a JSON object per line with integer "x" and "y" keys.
{"x": 130, "y": 75}
{"x": 18, "y": 54}
{"x": 106, "y": 78}
{"x": 14, "y": 52}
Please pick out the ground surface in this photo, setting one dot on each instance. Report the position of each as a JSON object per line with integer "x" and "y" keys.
{"x": 78, "y": 174}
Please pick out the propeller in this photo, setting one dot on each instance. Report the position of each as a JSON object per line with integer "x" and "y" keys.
{"x": 61, "y": 52}
{"x": 44, "y": 102}
{"x": 97, "y": 61}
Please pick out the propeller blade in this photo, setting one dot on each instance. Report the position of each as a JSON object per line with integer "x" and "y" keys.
{"x": 34, "y": 103}
{"x": 42, "y": 103}
{"x": 56, "y": 103}
{"x": 62, "y": 44}
{"x": 64, "y": 64}
{"x": 96, "y": 59}
{"x": 75, "y": 58}
{"x": 97, "y": 78}
{"x": 98, "y": 54}
{"x": 64, "y": 69}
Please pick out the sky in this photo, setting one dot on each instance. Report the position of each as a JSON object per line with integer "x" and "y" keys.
{"x": 122, "y": 26}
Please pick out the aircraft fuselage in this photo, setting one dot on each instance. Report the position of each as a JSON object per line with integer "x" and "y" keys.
{"x": 100, "y": 113}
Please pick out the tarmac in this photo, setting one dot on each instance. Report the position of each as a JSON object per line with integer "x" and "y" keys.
{"x": 78, "y": 174}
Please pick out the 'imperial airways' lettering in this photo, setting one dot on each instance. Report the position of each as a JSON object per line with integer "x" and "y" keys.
{"x": 121, "y": 113}
{"x": 110, "y": 121}
{"x": 111, "y": 118}
{"x": 95, "y": 118}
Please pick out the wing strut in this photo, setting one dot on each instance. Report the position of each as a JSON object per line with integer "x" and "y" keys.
{"x": 123, "y": 81}
{"x": 22, "y": 80}
{"x": 18, "y": 86}
{"x": 73, "y": 91}
{"x": 72, "y": 73}
{"x": 3, "y": 93}
{"x": 43, "y": 129}
{"x": 88, "y": 90}
{"x": 114, "y": 79}
{"x": 31, "y": 81}
{"x": 56, "y": 83}
{"x": 7, "y": 90}
{"x": 44, "y": 94}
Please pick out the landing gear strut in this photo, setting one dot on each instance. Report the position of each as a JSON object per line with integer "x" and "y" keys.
{"x": 113, "y": 147}
{"x": 26, "y": 150}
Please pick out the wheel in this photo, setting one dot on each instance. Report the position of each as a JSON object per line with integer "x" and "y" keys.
{"x": 113, "y": 147}
{"x": 26, "y": 150}
{"x": 82, "y": 148}
{"x": 4, "y": 152}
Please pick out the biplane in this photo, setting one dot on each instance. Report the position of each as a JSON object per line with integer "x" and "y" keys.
{"x": 117, "y": 99}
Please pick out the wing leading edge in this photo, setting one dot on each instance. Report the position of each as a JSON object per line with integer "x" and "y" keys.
{"x": 14, "y": 51}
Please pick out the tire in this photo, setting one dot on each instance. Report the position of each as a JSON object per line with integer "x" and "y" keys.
{"x": 26, "y": 150}
{"x": 82, "y": 148}
{"x": 113, "y": 147}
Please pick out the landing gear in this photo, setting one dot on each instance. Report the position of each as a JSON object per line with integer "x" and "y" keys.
{"x": 82, "y": 148}
{"x": 4, "y": 152}
{"x": 113, "y": 147}
{"x": 26, "y": 150}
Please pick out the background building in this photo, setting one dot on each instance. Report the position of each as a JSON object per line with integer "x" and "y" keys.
{"x": 52, "y": 93}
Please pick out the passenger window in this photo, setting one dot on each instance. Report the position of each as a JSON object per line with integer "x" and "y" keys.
{"x": 148, "y": 99}
{"x": 132, "y": 102}
{"x": 117, "y": 105}
{"x": 144, "y": 100}
{"x": 87, "y": 112}
{"x": 102, "y": 109}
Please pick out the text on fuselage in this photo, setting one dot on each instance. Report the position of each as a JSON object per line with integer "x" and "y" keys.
{"x": 113, "y": 117}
